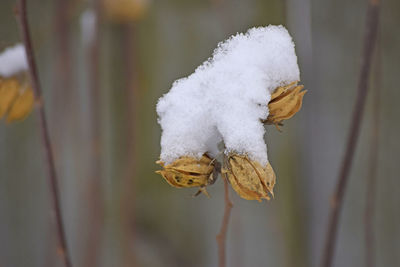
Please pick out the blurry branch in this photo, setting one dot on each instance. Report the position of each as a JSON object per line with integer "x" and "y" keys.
{"x": 23, "y": 23}
{"x": 128, "y": 189}
{"x": 373, "y": 164}
{"x": 93, "y": 51}
{"x": 63, "y": 49}
{"x": 93, "y": 187}
{"x": 62, "y": 70}
{"x": 221, "y": 237}
{"x": 337, "y": 201}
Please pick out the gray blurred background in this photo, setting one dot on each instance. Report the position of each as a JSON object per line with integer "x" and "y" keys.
{"x": 104, "y": 130}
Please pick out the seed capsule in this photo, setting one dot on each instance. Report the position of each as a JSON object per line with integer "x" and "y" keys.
{"x": 125, "y": 11}
{"x": 248, "y": 178}
{"x": 22, "y": 106}
{"x": 285, "y": 102}
{"x": 16, "y": 99}
{"x": 189, "y": 172}
{"x": 8, "y": 94}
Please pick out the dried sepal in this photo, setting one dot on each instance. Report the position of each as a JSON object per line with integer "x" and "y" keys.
{"x": 285, "y": 102}
{"x": 248, "y": 178}
{"x": 189, "y": 172}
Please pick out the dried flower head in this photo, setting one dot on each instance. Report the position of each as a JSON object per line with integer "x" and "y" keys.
{"x": 248, "y": 178}
{"x": 16, "y": 99}
{"x": 16, "y": 94}
{"x": 250, "y": 79}
{"x": 285, "y": 102}
{"x": 189, "y": 172}
{"x": 123, "y": 11}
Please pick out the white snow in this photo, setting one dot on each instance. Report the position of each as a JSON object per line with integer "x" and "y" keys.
{"x": 13, "y": 60}
{"x": 225, "y": 98}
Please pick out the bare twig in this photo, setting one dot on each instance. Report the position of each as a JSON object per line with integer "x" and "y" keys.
{"x": 221, "y": 237}
{"x": 93, "y": 51}
{"x": 63, "y": 51}
{"x": 128, "y": 194}
{"x": 52, "y": 175}
{"x": 373, "y": 166}
{"x": 94, "y": 189}
{"x": 337, "y": 201}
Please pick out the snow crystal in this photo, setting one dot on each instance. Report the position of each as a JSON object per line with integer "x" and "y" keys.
{"x": 227, "y": 96}
{"x": 13, "y": 60}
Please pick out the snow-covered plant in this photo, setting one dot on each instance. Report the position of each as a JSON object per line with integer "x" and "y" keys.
{"x": 250, "y": 80}
{"x": 16, "y": 95}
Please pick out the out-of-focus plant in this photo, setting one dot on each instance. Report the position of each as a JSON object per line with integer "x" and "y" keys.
{"x": 16, "y": 99}
{"x": 124, "y": 11}
{"x": 16, "y": 94}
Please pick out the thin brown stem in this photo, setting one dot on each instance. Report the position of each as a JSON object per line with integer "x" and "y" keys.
{"x": 94, "y": 189}
{"x": 93, "y": 51}
{"x": 63, "y": 50}
{"x": 369, "y": 214}
{"x": 337, "y": 200}
{"x": 52, "y": 175}
{"x": 128, "y": 196}
{"x": 221, "y": 237}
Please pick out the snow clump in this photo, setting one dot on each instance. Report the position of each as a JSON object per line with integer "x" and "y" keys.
{"x": 13, "y": 60}
{"x": 227, "y": 96}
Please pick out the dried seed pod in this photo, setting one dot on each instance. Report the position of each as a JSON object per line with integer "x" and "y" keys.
{"x": 189, "y": 172}
{"x": 285, "y": 102}
{"x": 248, "y": 178}
{"x": 22, "y": 105}
{"x": 125, "y": 11}
{"x": 16, "y": 100}
{"x": 8, "y": 94}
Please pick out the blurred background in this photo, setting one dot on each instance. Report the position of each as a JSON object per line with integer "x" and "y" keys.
{"x": 101, "y": 81}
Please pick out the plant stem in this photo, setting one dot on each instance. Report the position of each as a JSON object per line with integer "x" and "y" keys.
{"x": 221, "y": 237}
{"x": 128, "y": 193}
{"x": 94, "y": 191}
{"x": 52, "y": 175}
{"x": 369, "y": 214}
{"x": 63, "y": 55}
{"x": 337, "y": 201}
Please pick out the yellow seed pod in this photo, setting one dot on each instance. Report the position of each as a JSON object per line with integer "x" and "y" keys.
{"x": 189, "y": 172}
{"x": 15, "y": 102}
{"x": 8, "y": 93}
{"x": 248, "y": 178}
{"x": 124, "y": 11}
{"x": 22, "y": 105}
{"x": 285, "y": 102}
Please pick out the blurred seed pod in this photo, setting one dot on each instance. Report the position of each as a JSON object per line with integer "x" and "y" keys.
{"x": 16, "y": 101}
{"x": 248, "y": 178}
{"x": 8, "y": 94}
{"x": 189, "y": 172}
{"x": 125, "y": 11}
{"x": 285, "y": 102}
